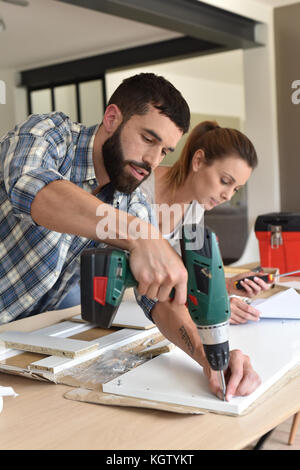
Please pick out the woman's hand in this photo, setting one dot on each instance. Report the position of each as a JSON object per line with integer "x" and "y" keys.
{"x": 241, "y": 312}
{"x": 250, "y": 288}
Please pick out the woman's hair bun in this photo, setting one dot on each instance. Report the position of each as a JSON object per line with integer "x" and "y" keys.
{"x": 209, "y": 126}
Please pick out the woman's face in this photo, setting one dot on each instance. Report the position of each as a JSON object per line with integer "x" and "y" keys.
{"x": 217, "y": 183}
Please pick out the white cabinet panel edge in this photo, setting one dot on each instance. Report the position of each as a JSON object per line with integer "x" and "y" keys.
{"x": 273, "y": 347}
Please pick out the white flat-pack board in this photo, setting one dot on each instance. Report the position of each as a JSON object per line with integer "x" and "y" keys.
{"x": 274, "y": 350}
{"x": 129, "y": 315}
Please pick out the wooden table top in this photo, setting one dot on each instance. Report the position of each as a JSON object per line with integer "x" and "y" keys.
{"x": 41, "y": 418}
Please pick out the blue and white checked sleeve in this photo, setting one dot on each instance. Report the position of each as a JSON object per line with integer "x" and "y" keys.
{"x": 31, "y": 163}
{"x": 146, "y": 304}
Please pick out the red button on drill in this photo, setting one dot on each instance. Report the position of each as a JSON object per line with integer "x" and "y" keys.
{"x": 193, "y": 299}
{"x": 100, "y": 286}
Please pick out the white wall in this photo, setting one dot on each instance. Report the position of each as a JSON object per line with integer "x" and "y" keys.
{"x": 261, "y": 126}
{"x": 249, "y": 8}
{"x": 20, "y": 105}
{"x": 260, "y": 107}
{"x": 7, "y": 110}
{"x": 203, "y": 96}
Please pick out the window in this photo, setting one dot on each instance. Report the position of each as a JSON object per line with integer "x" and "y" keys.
{"x": 82, "y": 101}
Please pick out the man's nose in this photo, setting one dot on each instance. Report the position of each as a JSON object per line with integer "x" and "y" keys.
{"x": 153, "y": 157}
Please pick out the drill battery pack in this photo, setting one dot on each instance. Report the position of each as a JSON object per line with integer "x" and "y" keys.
{"x": 278, "y": 235}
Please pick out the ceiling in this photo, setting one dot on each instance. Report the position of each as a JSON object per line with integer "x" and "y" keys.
{"x": 49, "y": 31}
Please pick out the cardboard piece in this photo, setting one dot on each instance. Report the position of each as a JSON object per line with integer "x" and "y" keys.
{"x": 100, "y": 398}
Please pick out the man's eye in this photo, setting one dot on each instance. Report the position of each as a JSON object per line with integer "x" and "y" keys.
{"x": 146, "y": 139}
{"x": 224, "y": 181}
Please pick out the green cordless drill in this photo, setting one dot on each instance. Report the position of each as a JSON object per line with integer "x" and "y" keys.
{"x": 105, "y": 274}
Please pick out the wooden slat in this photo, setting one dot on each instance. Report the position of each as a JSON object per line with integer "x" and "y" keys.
{"x": 125, "y": 338}
{"x": 43, "y": 344}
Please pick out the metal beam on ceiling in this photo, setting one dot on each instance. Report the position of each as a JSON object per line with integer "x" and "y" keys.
{"x": 205, "y": 30}
{"x": 93, "y": 67}
{"x": 189, "y": 17}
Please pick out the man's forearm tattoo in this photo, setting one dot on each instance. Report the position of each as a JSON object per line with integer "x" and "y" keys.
{"x": 186, "y": 339}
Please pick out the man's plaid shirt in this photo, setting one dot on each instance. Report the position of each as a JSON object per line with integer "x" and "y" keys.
{"x": 39, "y": 266}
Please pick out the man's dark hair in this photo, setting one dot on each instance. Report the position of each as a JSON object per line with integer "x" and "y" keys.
{"x": 136, "y": 93}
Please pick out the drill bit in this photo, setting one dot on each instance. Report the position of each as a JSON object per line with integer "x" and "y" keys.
{"x": 222, "y": 383}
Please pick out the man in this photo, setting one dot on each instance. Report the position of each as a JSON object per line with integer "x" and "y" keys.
{"x": 51, "y": 170}
{"x": 53, "y": 175}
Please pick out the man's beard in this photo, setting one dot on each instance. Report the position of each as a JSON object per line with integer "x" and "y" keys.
{"x": 115, "y": 165}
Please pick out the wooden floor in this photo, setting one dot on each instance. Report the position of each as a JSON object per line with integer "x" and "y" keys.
{"x": 278, "y": 440}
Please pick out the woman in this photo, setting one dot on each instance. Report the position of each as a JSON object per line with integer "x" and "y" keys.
{"x": 214, "y": 164}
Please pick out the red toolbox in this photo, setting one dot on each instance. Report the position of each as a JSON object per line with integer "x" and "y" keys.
{"x": 278, "y": 235}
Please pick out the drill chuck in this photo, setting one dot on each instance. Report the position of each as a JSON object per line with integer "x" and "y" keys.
{"x": 216, "y": 345}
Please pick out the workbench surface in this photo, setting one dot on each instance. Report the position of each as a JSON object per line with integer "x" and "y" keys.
{"x": 41, "y": 418}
